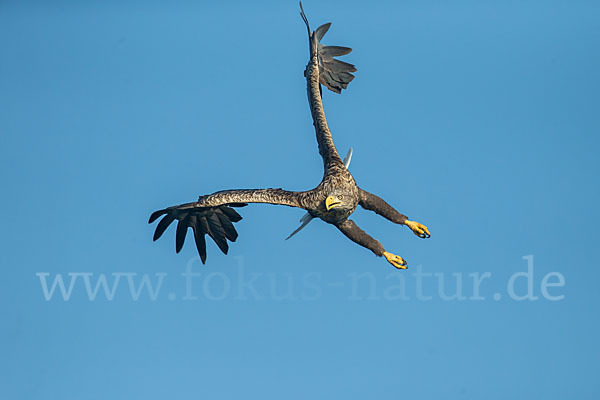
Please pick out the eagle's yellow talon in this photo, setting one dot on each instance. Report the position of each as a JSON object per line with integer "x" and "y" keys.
{"x": 418, "y": 229}
{"x": 395, "y": 260}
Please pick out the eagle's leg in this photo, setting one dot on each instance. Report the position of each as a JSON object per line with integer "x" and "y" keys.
{"x": 357, "y": 235}
{"x": 372, "y": 202}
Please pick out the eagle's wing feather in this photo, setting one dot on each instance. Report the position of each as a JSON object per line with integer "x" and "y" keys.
{"x": 199, "y": 238}
{"x": 214, "y": 216}
{"x": 334, "y": 74}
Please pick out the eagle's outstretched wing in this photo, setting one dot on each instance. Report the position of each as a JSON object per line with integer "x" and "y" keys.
{"x": 322, "y": 68}
{"x": 213, "y": 215}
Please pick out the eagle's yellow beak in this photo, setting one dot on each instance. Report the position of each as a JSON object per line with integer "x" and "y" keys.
{"x": 332, "y": 202}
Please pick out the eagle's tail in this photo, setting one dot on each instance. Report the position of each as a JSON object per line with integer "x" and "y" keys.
{"x": 216, "y": 222}
{"x": 333, "y": 73}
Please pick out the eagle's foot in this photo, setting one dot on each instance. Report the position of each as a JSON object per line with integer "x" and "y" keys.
{"x": 395, "y": 260}
{"x": 418, "y": 229}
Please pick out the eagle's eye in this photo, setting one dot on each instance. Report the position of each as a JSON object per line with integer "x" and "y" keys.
{"x": 341, "y": 197}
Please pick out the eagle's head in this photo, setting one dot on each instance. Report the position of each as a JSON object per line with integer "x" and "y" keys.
{"x": 339, "y": 199}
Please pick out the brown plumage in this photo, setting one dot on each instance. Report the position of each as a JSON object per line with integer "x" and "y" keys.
{"x": 333, "y": 200}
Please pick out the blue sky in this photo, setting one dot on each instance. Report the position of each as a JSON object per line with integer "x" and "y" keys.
{"x": 476, "y": 118}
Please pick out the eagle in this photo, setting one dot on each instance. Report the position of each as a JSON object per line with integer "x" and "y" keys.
{"x": 333, "y": 200}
